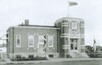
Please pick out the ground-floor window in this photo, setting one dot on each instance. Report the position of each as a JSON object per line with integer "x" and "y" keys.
{"x": 42, "y": 43}
{"x": 50, "y": 40}
{"x": 31, "y": 40}
{"x": 18, "y": 40}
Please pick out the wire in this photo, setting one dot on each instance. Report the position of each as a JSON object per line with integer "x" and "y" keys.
{"x": 2, "y": 37}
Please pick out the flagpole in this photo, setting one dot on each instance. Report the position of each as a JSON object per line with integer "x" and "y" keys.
{"x": 68, "y": 8}
{"x": 70, "y": 4}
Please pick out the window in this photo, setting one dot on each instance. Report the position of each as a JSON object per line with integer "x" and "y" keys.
{"x": 74, "y": 25}
{"x": 18, "y": 40}
{"x": 18, "y": 57}
{"x": 42, "y": 43}
{"x": 7, "y": 35}
{"x": 31, "y": 40}
{"x": 41, "y": 39}
{"x": 31, "y": 57}
{"x": 50, "y": 41}
{"x": 51, "y": 55}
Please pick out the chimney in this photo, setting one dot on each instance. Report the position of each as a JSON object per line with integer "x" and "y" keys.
{"x": 26, "y": 22}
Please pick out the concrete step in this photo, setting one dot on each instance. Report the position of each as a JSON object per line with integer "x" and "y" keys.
{"x": 76, "y": 54}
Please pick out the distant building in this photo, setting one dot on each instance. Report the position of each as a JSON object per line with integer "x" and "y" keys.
{"x": 3, "y": 54}
{"x": 53, "y": 41}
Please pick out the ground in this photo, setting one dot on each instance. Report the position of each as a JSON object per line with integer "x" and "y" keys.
{"x": 61, "y": 61}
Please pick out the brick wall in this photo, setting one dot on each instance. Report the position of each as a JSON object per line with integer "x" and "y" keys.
{"x": 24, "y": 32}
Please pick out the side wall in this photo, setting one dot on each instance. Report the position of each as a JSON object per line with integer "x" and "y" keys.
{"x": 10, "y": 41}
{"x": 24, "y": 49}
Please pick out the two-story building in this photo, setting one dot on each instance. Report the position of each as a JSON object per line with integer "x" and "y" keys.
{"x": 51, "y": 41}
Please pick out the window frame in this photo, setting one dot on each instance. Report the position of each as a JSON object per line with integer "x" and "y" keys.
{"x": 52, "y": 38}
{"x": 74, "y": 25}
{"x": 32, "y": 39}
{"x": 41, "y": 39}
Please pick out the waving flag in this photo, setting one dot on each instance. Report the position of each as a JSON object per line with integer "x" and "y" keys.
{"x": 72, "y": 3}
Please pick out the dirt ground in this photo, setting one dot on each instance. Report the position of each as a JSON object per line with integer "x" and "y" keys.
{"x": 67, "y": 61}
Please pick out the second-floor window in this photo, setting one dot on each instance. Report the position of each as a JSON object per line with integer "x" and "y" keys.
{"x": 74, "y": 25}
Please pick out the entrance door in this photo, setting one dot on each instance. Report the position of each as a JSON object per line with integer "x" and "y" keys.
{"x": 73, "y": 44}
{"x": 41, "y": 44}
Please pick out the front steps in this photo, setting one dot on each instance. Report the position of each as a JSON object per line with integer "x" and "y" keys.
{"x": 76, "y": 54}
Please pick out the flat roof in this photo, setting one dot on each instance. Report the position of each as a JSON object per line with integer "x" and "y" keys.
{"x": 35, "y": 26}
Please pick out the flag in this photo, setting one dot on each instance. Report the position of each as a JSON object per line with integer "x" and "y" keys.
{"x": 72, "y": 3}
{"x": 94, "y": 45}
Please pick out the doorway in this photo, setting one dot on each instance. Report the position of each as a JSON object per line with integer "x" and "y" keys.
{"x": 73, "y": 44}
{"x": 41, "y": 44}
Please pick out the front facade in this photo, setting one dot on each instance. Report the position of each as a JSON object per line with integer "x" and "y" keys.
{"x": 51, "y": 41}
{"x": 71, "y": 35}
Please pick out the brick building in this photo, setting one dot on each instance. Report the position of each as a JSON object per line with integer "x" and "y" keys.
{"x": 52, "y": 41}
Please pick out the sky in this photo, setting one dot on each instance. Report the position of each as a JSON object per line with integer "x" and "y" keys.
{"x": 46, "y": 12}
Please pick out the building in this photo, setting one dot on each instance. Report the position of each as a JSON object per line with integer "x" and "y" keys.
{"x": 52, "y": 41}
{"x": 71, "y": 35}
{"x": 3, "y": 53}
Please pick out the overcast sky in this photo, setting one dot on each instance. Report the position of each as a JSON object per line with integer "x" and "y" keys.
{"x": 46, "y": 12}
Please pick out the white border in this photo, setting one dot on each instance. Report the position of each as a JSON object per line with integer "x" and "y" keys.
{"x": 28, "y": 40}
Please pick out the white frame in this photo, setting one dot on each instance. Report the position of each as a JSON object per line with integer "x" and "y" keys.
{"x": 18, "y": 36}
{"x": 41, "y": 37}
{"x": 40, "y": 42}
{"x": 32, "y": 39}
{"x": 74, "y": 25}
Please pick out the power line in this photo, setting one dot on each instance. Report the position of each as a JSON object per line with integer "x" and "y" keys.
{"x": 2, "y": 37}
